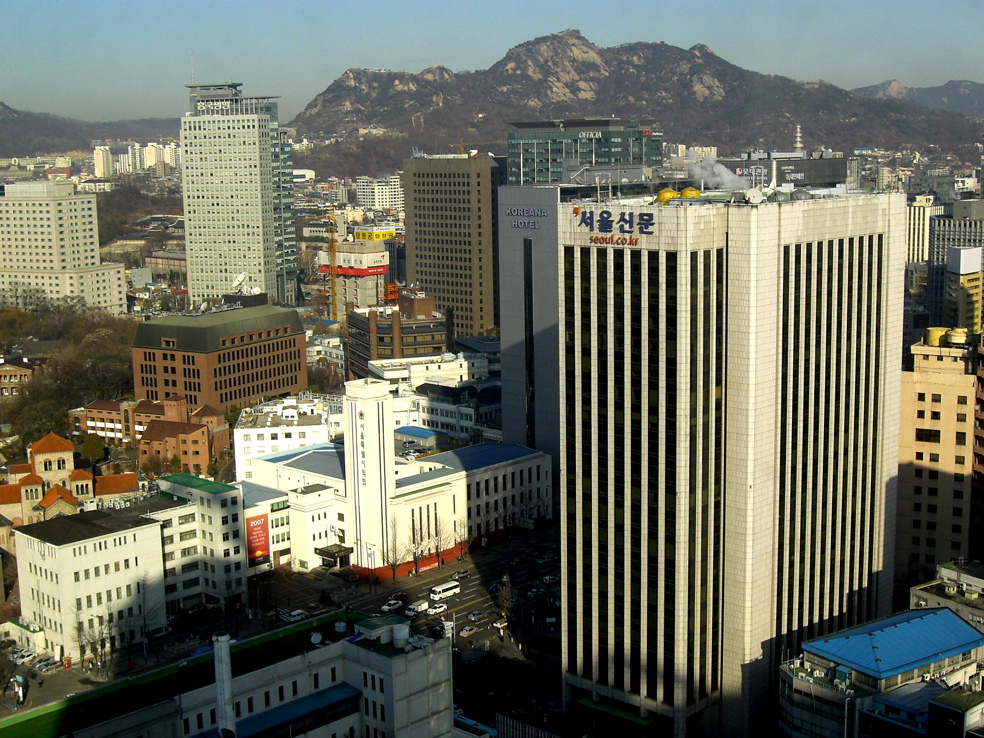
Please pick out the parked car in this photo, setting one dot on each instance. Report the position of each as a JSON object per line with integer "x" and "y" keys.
{"x": 409, "y": 444}
{"x": 391, "y": 606}
{"x": 437, "y": 608}
{"x": 476, "y": 615}
{"x": 468, "y": 631}
{"x": 294, "y": 616}
{"x": 401, "y": 596}
{"x": 458, "y": 575}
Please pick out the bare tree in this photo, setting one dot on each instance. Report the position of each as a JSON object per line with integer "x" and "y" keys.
{"x": 392, "y": 551}
{"x": 504, "y": 597}
{"x": 414, "y": 547}
{"x": 444, "y": 537}
{"x": 461, "y": 534}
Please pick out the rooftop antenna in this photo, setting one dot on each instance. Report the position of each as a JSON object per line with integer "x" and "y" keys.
{"x": 192, "y": 52}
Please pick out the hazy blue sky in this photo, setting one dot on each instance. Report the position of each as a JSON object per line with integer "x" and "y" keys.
{"x": 112, "y": 59}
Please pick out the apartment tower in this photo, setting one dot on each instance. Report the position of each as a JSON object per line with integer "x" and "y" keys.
{"x": 451, "y": 235}
{"x": 238, "y": 195}
{"x": 720, "y": 381}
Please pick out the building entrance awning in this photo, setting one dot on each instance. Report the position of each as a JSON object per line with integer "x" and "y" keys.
{"x": 334, "y": 552}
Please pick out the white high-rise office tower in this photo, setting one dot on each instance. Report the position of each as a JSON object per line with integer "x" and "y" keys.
{"x": 720, "y": 382}
{"x": 238, "y": 194}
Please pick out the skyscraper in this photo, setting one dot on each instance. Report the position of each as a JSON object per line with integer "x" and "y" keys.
{"x": 721, "y": 384}
{"x": 238, "y": 194}
{"x": 451, "y": 235}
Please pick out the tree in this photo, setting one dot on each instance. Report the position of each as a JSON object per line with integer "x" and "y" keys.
{"x": 461, "y": 534}
{"x": 152, "y": 466}
{"x": 392, "y": 551}
{"x": 93, "y": 447}
{"x": 503, "y": 596}
{"x": 414, "y": 546}
{"x": 444, "y": 537}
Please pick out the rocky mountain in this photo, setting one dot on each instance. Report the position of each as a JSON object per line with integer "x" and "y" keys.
{"x": 30, "y": 134}
{"x": 699, "y": 98}
{"x": 961, "y": 96}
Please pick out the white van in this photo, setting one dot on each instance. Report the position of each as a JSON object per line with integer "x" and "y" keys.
{"x": 416, "y": 608}
{"x": 442, "y": 591}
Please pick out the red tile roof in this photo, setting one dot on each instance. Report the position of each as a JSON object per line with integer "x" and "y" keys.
{"x": 57, "y": 493}
{"x": 116, "y": 484}
{"x": 148, "y": 407}
{"x": 10, "y": 494}
{"x": 80, "y": 475}
{"x": 21, "y": 469}
{"x": 30, "y": 480}
{"x": 158, "y": 430}
{"x": 207, "y": 410}
{"x": 103, "y": 405}
{"x": 51, "y": 444}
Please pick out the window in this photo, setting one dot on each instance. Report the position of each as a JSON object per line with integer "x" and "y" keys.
{"x": 959, "y": 461}
{"x": 927, "y": 435}
{"x": 921, "y": 397}
{"x": 958, "y": 512}
{"x": 934, "y": 415}
{"x": 961, "y": 417}
{"x": 961, "y": 438}
{"x": 937, "y": 398}
{"x": 934, "y": 458}
{"x": 961, "y": 400}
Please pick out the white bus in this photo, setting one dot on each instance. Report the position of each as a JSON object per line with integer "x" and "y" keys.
{"x": 441, "y": 591}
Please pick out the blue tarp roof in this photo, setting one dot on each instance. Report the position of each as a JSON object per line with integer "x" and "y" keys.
{"x": 892, "y": 645}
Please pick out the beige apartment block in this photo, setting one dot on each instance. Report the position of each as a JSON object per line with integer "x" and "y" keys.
{"x": 935, "y": 456}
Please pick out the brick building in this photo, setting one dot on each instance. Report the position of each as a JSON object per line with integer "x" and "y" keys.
{"x": 235, "y": 356}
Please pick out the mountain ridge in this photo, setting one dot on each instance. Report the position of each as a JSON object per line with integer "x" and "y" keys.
{"x": 699, "y": 97}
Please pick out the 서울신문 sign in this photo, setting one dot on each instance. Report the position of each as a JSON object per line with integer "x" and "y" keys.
{"x": 627, "y": 224}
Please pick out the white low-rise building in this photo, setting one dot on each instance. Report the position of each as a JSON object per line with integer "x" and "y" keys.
{"x": 417, "y": 370}
{"x": 92, "y": 582}
{"x": 360, "y": 505}
{"x": 300, "y": 421}
{"x": 204, "y": 542}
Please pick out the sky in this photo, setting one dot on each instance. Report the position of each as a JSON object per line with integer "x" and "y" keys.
{"x": 101, "y": 60}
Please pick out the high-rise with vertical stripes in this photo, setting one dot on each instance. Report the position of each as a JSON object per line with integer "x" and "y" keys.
{"x": 238, "y": 194}
{"x": 720, "y": 382}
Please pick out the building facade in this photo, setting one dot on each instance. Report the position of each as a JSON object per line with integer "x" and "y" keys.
{"x": 935, "y": 457}
{"x": 917, "y": 215}
{"x": 361, "y": 274}
{"x": 238, "y": 356}
{"x": 238, "y": 194}
{"x": 538, "y": 150}
{"x": 49, "y": 247}
{"x": 385, "y": 193}
{"x": 411, "y": 328}
{"x": 92, "y": 581}
{"x": 725, "y": 384}
{"x": 451, "y": 233}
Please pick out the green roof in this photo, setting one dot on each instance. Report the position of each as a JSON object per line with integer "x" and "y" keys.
{"x": 199, "y": 484}
{"x": 204, "y": 333}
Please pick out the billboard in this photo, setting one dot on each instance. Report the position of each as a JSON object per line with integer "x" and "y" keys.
{"x": 258, "y": 540}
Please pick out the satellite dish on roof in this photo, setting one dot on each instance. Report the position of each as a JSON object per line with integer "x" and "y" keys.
{"x": 754, "y": 196}
{"x": 315, "y": 638}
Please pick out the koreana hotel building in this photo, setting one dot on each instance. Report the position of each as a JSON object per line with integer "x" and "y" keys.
{"x": 720, "y": 381}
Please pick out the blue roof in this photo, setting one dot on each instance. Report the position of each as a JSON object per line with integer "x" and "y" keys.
{"x": 892, "y": 645}
{"x": 325, "y": 459}
{"x": 417, "y": 432}
{"x": 481, "y": 455}
{"x": 269, "y": 720}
